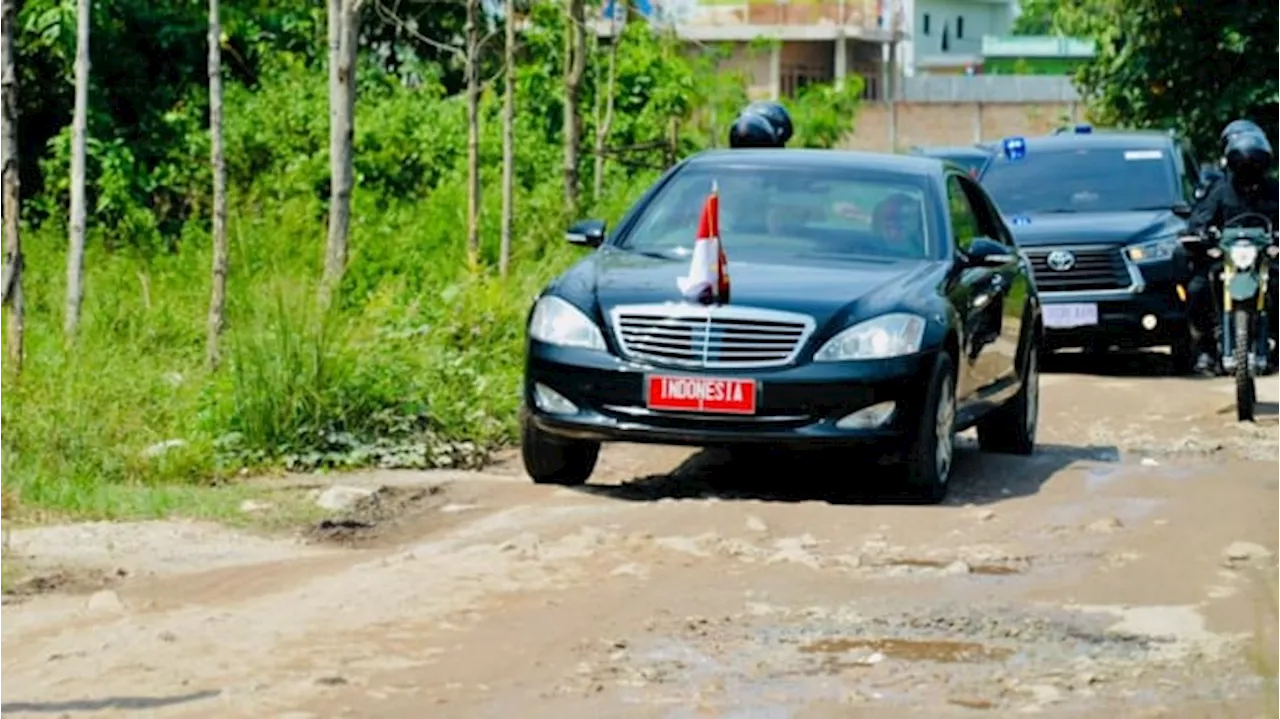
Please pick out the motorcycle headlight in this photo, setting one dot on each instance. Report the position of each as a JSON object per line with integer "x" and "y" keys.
{"x": 1243, "y": 255}
{"x": 1153, "y": 251}
{"x": 891, "y": 335}
{"x": 556, "y": 322}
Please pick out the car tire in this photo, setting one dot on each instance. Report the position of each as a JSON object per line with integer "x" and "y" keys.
{"x": 1011, "y": 429}
{"x": 931, "y": 447}
{"x": 552, "y": 460}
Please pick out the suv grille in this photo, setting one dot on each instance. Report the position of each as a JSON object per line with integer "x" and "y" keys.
{"x": 718, "y": 336}
{"x": 1093, "y": 268}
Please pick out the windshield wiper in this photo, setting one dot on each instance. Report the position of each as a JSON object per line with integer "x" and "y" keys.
{"x": 1056, "y": 211}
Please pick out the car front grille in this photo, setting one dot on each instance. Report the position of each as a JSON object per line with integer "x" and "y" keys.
{"x": 715, "y": 336}
{"x": 1092, "y": 269}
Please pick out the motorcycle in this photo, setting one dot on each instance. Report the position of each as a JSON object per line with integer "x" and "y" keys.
{"x": 1245, "y": 256}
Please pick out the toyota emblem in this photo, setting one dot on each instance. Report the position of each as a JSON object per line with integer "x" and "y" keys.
{"x": 1060, "y": 260}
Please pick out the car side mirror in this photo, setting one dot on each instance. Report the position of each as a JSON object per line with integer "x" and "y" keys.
{"x": 1181, "y": 209}
{"x": 986, "y": 252}
{"x": 589, "y": 233}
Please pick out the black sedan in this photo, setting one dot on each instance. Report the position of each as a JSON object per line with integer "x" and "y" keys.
{"x": 872, "y": 300}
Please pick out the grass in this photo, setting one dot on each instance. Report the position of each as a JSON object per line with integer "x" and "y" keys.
{"x": 417, "y": 365}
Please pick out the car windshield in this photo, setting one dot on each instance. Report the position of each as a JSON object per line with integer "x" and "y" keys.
{"x": 793, "y": 211}
{"x": 1110, "y": 179}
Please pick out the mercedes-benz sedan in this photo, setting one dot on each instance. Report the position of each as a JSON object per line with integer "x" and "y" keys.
{"x": 871, "y": 301}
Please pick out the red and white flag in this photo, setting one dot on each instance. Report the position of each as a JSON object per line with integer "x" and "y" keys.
{"x": 708, "y": 278}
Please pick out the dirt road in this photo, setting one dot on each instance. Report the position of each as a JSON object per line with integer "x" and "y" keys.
{"x": 1126, "y": 570}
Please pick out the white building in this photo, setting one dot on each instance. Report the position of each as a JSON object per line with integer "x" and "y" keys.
{"x": 945, "y": 36}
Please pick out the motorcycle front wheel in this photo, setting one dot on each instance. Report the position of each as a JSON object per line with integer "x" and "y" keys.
{"x": 1246, "y": 392}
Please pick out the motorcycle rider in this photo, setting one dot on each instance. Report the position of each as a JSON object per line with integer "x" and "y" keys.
{"x": 1245, "y": 188}
{"x": 761, "y": 124}
{"x": 1232, "y": 129}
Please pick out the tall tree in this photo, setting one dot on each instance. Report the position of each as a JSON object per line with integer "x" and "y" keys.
{"x": 508, "y": 135}
{"x": 611, "y": 83}
{"x": 12, "y": 197}
{"x": 217, "y": 303}
{"x": 1191, "y": 66}
{"x": 79, "y": 138}
{"x": 574, "y": 67}
{"x": 472, "y": 71}
{"x": 344, "y": 26}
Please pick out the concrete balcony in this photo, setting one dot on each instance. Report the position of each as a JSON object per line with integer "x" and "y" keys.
{"x": 746, "y": 20}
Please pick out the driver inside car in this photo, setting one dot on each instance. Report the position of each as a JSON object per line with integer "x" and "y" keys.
{"x": 898, "y": 219}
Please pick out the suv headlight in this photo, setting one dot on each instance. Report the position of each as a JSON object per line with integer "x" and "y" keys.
{"x": 1153, "y": 251}
{"x": 1243, "y": 255}
{"x": 556, "y": 322}
{"x": 891, "y": 335}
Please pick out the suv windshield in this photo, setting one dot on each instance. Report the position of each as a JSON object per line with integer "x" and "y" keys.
{"x": 793, "y": 211}
{"x": 1100, "y": 179}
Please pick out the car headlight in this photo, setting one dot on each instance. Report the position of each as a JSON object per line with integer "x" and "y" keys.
{"x": 556, "y": 322}
{"x": 1153, "y": 251}
{"x": 1243, "y": 255}
{"x": 891, "y": 335}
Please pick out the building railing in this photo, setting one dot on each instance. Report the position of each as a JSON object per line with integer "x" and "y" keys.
{"x": 861, "y": 13}
{"x": 988, "y": 88}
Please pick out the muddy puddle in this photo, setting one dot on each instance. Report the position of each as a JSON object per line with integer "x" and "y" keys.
{"x": 912, "y": 650}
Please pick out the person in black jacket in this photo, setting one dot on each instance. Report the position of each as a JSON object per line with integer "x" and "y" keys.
{"x": 1245, "y": 189}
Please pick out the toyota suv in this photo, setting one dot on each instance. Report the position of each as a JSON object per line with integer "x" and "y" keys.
{"x": 1098, "y": 215}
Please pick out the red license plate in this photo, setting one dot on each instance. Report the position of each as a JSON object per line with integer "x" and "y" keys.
{"x": 702, "y": 394}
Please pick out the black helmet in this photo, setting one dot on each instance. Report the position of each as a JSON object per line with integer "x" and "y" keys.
{"x": 1236, "y": 127}
{"x": 752, "y": 130}
{"x": 1249, "y": 156}
{"x": 775, "y": 113}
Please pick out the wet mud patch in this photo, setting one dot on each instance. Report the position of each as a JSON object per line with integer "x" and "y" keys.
{"x": 770, "y": 659}
{"x": 378, "y": 516}
{"x": 33, "y": 581}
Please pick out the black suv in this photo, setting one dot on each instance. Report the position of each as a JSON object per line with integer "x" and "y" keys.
{"x": 1098, "y": 214}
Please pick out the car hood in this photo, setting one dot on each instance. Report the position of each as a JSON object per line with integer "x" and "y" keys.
{"x": 818, "y": 288}
{"x": 1105, "y": 228}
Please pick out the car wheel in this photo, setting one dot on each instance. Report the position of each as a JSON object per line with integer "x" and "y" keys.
{"x": 931, "y": 450}
{"x": 1011, "y": 429}
{"x": 552, "y": 460}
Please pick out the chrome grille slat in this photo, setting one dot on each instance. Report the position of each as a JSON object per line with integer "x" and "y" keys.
{"x": 1096, "y": 268}
{"x": 716, "y": 336}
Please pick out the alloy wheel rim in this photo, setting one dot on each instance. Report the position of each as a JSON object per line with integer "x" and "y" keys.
{"x": 944, "y": 426}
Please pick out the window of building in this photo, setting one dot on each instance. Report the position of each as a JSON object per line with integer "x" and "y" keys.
{"x": 960, "y": 27}
{"x": 924, "y": 30}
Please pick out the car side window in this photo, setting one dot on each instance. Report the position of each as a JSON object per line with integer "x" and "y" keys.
{"x": 964, "y": 221}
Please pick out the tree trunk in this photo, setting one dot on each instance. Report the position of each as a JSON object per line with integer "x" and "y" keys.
{"x": 508, "y": 137}
{"x": 79, "y": 132}
{"x": 344, "y": 24}
{"x": 472, "y": 71}
{"x": 574, "y": 67}
{"x": 11, "y": 192}
{"x": 611, "y": 83}
{"x": 218, "y": 301}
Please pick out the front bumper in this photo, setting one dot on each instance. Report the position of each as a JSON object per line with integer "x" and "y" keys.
{"x": 797, "y": 407}
{"x": 1120, "y": 319}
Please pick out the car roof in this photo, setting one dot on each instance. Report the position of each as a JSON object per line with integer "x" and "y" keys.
{"x": 1102, "y": 139}
{"x": 931, "y": 150}
{"x": 783, "y": 157}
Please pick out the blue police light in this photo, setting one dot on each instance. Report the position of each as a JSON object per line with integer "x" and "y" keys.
{"x": 1019, "y": 220}
{"x": 1015, "y": 148}
{"x": 1084, "y": 128}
